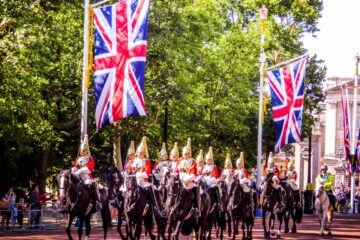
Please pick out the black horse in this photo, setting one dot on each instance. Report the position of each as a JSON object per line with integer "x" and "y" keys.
{"x": 137, "y": 209}
{"x": 242, "y": 206}
{"x": 269, "y": 199}
{"x": 77, "y": 199}
{"x": 223, "y": 216}
{"x": 293, "y": 207}
{"x": 181, "y": 216}
{"x": 115, "y": 180}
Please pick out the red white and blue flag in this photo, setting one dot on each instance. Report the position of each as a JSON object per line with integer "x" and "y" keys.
{"x": 287, "y": 87}
{"x": 346, "y": 124}
{"x": 120, "y": 32}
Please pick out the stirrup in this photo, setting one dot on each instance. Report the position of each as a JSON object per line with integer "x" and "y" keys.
{"x": 98, "y": 206}
{"x": 197, "y": 213}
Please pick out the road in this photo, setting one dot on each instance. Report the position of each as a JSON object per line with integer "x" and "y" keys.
{"x": 344, "y": 227}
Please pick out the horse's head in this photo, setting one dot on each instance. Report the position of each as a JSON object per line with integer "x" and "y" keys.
{"x": 173, "y": 186}
{"x": 319, "y": 191}
{"x": 114, "y": 177}
{"x": 63, "y": 179}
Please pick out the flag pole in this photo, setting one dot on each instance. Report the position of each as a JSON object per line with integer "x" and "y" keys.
{"x": 288, "y": 61}
{"x": 357, "y": 58}
{"x": 84, "y": 90}
{"x": 263, "y": 16}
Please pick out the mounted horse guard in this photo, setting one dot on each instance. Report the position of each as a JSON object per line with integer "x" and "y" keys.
{"x": 276, "y": 179}
{"x": 141, "y": 167}
{"x": 200, "y": 163}
{"x": 211, "y": 174}
{"x": 228, "y": 172}
{"x": 175, "y": 160}
{"x": 293, "y": 202}
{"x": 83, "y": 167}
{"x": 188, "y": 172}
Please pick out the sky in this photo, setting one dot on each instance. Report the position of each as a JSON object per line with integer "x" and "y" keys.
{"x": 338, "y": 40}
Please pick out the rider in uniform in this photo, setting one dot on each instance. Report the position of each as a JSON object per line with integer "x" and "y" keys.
{"x": 200, "y": 162}
{"x": 188, "y": 173}
{"x": 174, "y": 157}
{"x": 211, "y": 174}
{"x": 241, "y": 172}
{"x": 291, "y": 176}
{"x": 228, "y": 172}
{"x": 130, "y": 156}
{"x": 83, "y": 167}
{"x": 327, "y": 180}
{"x": 163, "y": 165}
{"x": 275, "y": 179}
{"x": 141, "y": 166}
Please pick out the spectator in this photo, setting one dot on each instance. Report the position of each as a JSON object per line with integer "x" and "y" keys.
{"x": 21, "y": 209}
{"x": 9, "y": 199}
{"x": 36, "y": 202}
{"x": 31, "y": 189}
{"x": 20, "y": 193}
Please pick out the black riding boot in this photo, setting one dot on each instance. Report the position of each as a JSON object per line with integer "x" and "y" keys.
{"x": 218, "y": 198}
{"x": 196, "y": 203}
{"x": 96, "y": 196}
{"x": 156, "y": 204}
{"x": 280, "y": 202}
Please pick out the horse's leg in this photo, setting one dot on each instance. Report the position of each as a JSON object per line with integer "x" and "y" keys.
{"x": 293, "y": 216}
{"x": 81, "y": 222}
{"x": 68, "y": 226}
{"x": 264, "y": 224}
{"x": 138, "y": 229}
{"x": 88, "y": 227}
{"x": 243, "y": 228}
{"x": 106, "y": 219}
{"x": 177, "y": 230}
{"x": 235, "y": 227}
{"x": 271, "y": 224}
{"x": 229, "y": 224}
{"x": 329, "y": 218}
{"x": 210, "y": 225}
{"x": 286, "y": 220}
{"x": 148, "y": 222}
{"x": 118, "y": 227}
{"x": 322, "y": 222}
{"x": 280, "y": 218}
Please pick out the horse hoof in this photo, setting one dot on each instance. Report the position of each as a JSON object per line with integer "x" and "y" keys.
{"x": 286, "y": 230}
{"x": 278, "y": 236}
{"x": 272, "y": 234}
{"x": 293, "y": 231}
{"x": 329, "y": 234}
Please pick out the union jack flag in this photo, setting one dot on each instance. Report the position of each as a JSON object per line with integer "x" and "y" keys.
{"x": 120, "y": 32}
{"x": 287, "y": 96}
{"x": 346, "y": 124}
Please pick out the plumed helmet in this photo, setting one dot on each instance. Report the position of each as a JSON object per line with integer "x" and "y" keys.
{"x": 209, "y": 159}
{"x": 228, "y": 163}
{"x": 187, "y": 148}
{"x": 163, "y": 151}
{"x": 84, "y": 147}
{"x": 200, "y": 158}
{"x": 291, "y": 164}
{"x": 175, "y": 151}
{"x": 270, "y": 158}
{"x": 240, "y": 162}
{"x": 131, "y": 149}
{"x": 142, "y": 148}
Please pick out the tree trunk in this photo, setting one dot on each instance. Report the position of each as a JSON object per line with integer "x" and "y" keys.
{"x": 43, "y": 170}
{"x": 309, "y": 161}
{"x": 117, "y": 146}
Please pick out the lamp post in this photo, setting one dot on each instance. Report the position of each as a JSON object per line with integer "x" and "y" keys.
{"x": 263, "y": 16}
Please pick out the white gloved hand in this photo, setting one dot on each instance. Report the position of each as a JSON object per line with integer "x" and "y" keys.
{"x": 189, "y": 178}
{"x": 141, "y": 175}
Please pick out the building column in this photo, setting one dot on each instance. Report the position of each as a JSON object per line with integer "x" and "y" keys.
{"x": 330, "y": 129}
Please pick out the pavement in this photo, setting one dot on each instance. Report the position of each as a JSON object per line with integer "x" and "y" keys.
{"x": 345, "y": 226}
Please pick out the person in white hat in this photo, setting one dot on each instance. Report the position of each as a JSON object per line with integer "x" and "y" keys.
{"x": 141, "y": 166}
{"x": 163, "y": 165}
{"x": 211, "y": 174}
{"x": 228, "y": 172}
{"x": 275, "y": 179}
{"x": 83, "y": 167}
{"x": 130, "y": 156}
{"x": 175, "y": 160}
{"x": 188, "y": 173}
{"x": 291, "y": 176}
{"x": 200, "y": 163}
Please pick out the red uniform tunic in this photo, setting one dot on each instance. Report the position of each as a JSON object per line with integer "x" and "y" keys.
{"x": 90, "y": 165}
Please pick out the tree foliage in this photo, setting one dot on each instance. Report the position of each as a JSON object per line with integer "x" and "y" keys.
{"x": 202, "y": 65}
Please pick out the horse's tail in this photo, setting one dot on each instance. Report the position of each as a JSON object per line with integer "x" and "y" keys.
{"x": 299, "y": 214}
{"x": 188, "y": 226}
